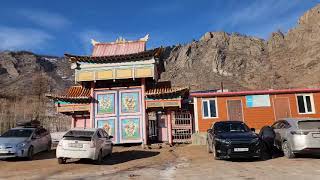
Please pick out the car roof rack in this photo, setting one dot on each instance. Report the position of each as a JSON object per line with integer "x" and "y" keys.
{"x": 29, "y": 124}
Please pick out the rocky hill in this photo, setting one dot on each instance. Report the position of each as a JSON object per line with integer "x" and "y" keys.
{"x": 242, "y": 62}
{"x": 285, "y": 60}
{"x": 21, "y": 73}
{"x": 24, "y": 79}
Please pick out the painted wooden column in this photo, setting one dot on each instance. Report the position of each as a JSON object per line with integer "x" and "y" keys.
{"x": 169, "y": 118}
{"x": 92, "y": 123}
{"x": 144, "y": 124}
{"x": 196, "y": 117}
{"x": 73, "y": 121}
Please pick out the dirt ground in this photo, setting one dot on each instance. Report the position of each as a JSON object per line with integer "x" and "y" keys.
{"x": 181, "y": 162}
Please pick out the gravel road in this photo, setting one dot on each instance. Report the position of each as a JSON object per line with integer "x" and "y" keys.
{"x": 182, "y": 162}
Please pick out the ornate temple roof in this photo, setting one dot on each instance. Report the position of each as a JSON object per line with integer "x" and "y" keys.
{"x": 119, "y": 47}
{"x": 113, "y": 49}
{"x": 116, "y": 58}
{"x": 73, "y": 94}
{"x": 166, "y": 91}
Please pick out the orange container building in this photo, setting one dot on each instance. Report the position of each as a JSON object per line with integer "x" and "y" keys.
{"x": 255, "y": 108}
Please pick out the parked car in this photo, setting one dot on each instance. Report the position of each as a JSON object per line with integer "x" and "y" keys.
{"x": 297, "y": 136}
{"x": 267, "y": 135}
{"x": 233, "y": 139}
{"x": 24, "y": 142}
{"x": 92, "y": 144}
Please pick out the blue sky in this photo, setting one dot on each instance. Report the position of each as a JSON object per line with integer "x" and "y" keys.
{"x": 59, "y": 26}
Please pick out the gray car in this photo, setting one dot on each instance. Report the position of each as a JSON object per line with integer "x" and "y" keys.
{"x": 297, "y": 136}
{"x": 24, "y": 142}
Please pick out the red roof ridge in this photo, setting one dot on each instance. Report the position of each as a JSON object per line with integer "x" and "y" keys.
{"x": 255, "y": 92}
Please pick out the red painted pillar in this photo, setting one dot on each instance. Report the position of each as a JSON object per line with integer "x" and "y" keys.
{"x": 169, "y": 117}
{"x": 92, "y": 125}
{"x": 73, "y": 121}
{"x": 144, "y": 123}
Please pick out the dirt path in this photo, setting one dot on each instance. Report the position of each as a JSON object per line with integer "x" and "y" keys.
{"x": 186, "y": 162}
{"x": 45, "y": 165}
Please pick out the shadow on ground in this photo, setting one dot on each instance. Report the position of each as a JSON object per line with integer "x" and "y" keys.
{"x": 122, "y": 157}
{"x": 309, "y": 156}
{"x": 39, "y": 156}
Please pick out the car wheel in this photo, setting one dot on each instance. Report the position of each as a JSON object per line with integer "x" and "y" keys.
{"x": 30, "y": 153}
{"x": 62, "y": 160}
{"x": 215, "y": 154}
{"x": 209, "y": 147}
{"x": 100, "y": 158}
{"x": 49, "y": 147}
{"x": 287, "y": 151}
{"x": 265, "y": 152}
{"x": 110, "y": 153}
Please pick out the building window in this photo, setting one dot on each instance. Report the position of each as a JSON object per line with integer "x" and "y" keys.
{"x": 305, "y": 103}
{"x": 209, "y": 108}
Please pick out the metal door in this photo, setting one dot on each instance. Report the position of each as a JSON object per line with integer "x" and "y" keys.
{"x": 152, "y": 124}
{"x": 235, "y": 110}
{"x": 281, "y": 108}
{"x": 181, "y": 126}
{"x": 162, "y": 127}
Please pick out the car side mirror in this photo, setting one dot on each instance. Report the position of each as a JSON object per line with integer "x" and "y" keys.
{"x": 110, "y": 137}
{"x": 35, "y": 137}
{"x": 253, "y": 129}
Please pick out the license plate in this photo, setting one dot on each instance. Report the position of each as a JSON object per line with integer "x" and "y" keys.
{"x": 316, "y": 135}
{"x": 241, "y": 149}
{"x": 75, "y": 145}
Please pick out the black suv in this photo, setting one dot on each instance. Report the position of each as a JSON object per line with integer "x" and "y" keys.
{"x": 233, "y": 139}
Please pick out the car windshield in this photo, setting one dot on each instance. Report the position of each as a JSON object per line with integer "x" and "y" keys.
{"x": 18, "y": 133}
{"x": 230, "y": 127}
{"x": 79, "y": 133}
{"x": 309, "y": 124}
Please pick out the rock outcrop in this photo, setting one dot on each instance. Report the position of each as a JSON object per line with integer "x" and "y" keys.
{"x": 22, "y": 72}
{"x": 285, "y": 60}
{"x": 241, "y": 62}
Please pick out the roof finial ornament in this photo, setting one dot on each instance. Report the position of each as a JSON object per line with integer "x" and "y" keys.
{"x": 145, "y": 38}
{"x": 120, "y": 40}
{"x": 94, "y": 42}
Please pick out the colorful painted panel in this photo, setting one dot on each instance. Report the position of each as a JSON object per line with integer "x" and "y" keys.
{"x": 130, "y": 102}
{"x": 108, "y": 125}
{"x": 130, "y": 129}
{"x": 258, "y": 101}
{"x": 106, "y": 103}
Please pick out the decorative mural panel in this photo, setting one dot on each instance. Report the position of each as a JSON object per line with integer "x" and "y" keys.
{"x": 109, "y": 125}
{"x": 130, "y": 129}
{"x": 120, "y": 113}
{"x": 130, "y": 102}
{"x": 106, "y": 103}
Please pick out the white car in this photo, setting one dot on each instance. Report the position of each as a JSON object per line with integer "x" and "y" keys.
{"x": 92, "y": 144}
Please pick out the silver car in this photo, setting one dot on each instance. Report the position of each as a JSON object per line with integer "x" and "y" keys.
{"x": 297, "y": 136}
{"x": 24, "y": 142}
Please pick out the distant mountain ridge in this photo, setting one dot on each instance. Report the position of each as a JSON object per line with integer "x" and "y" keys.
{"x": 241, "y": 62}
